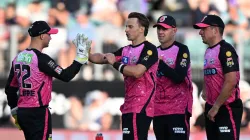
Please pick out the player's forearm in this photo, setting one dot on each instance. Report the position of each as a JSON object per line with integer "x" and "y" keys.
{"x": 177, "y": 76}
{"x": 97, "y": 58}
{"x": 12, "y": 96}
{"x": 132, "y": 71}
{"x": 226, "y": 92}
{"x": 11, "y": 89}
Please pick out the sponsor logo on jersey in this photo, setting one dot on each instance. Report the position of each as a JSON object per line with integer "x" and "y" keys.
{"x": 205, "y": 62}
{"x": 211, "y": 71}
{"x": 224, "y": 129}
{"x": 52, "y": 64}
{"x": 125, "y": 60}
{"x": 125, "y": 131}
{"x": 24, "y": 57}
{"x": 179, "y": 130}
{"x": 149, "y": 53}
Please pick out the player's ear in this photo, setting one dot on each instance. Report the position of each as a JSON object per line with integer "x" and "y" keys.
{"x": 142, "y": 29}
{"x": 42, "y": 36}
{"x": 215, "y": 30}
{"x": 174, "y": 30}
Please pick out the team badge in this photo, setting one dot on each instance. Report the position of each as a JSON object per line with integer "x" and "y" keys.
{"x": 149, "y": 52}
{"x": 230, "y": 62}
{"x": 163, "y": 18}
{"x": 170, "y": 61}
{"x": 133, "y": 60}
{"x": 211, "y": 61}
{"x": 228, "y": 54}
{"x": 185, "y": 55}
{"x": 183, "y": 62}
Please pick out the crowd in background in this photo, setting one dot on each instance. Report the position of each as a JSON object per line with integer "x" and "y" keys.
{"x": 103, "y": 22}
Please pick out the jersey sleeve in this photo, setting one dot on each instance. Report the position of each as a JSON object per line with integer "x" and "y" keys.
{"x": 118, "y": 54}
{"x": 51, "y": 68}
{"x": 228, "y": 59}
{"x": 149, "y": 56}
{"x": 180, "y": 71}
{"x": 11, "y": 88}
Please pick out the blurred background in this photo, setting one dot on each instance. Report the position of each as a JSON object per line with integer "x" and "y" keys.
{"x": 91, "y": 102}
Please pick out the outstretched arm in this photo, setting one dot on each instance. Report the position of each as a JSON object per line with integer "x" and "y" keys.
{"x": 98, "y": 58}
{"x": 49, "y": 66}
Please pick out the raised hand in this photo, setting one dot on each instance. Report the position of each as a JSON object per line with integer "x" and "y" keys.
{"x": 83, "y": 46}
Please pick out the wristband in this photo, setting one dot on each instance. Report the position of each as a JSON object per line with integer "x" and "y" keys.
{"x": 119, "y": 66}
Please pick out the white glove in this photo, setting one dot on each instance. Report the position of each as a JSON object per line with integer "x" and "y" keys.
{"x": 82, "y": 48}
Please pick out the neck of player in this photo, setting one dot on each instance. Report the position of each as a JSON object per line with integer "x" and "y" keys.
{"x": 138, "y": 41}
{"x": 215, "y": 41}
{"x": 167, "y": 44}
{"x": 36, "y": 45}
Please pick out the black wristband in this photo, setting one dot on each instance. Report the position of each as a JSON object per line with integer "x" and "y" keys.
{"x": 119, "y": 66}
{"x": 122, "y": 67}
{"x": 116, "y": 65}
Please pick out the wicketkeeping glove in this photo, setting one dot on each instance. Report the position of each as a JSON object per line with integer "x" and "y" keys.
{"x": 82, "y": 48}
{"x": 14, "y": 115}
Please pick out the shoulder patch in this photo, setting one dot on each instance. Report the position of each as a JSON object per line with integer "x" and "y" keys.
{"x": 149, "y": 52}
{"x": 228, "y": 54}
{"x": 185, "y": 55}
{"x": 58, "y": 70}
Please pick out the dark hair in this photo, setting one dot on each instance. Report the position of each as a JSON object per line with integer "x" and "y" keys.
{"x": 221, "y": 30}
{"x": 143, "y": 20}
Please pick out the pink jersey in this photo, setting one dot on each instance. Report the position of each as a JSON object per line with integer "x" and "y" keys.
{"x": 219, "y": 60}
{"x": 31, "y": 76}
{"x": 173, "y": 96}
{"x": 139, "y": 92}
{"x": 31, "y": 81}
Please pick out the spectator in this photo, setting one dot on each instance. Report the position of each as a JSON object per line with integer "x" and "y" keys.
{"x": 73, "y": 118}
{"x": 23, "y": 20}
{"x": 10, "y": 14}
{"x": 200, "y": 9}
{"x": 4, "y": 43}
